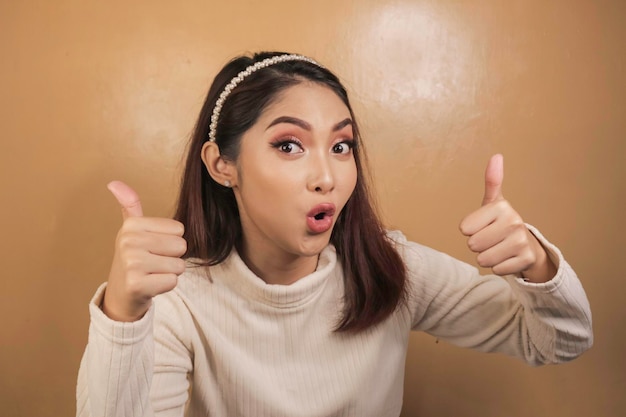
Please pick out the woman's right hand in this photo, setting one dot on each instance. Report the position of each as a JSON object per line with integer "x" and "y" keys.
{"x": 147, "y": 259}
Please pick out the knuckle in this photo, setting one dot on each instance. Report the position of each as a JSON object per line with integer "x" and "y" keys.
{"x": 180, "y": 228}
{"x": 483, "y": 261}
{"x": 135, "y": 288}
{"x": 127, "y": 241}
{"x": 528, "y": 258}
{"x": 517, "y": 236}
{"x": 516, "y": 220}
{"x": 466, "y": 227}
{"x": 502, "y": 206}
{"x": 131, "y": 223}
{"x": 175, "y": 227}
{"x": 132, "y": 263}
{"x": 182, "y": 246}
{"x": 519, "y": 241}
{"x": 168, "y": 283}
{"x": 500, "y": 270}
{"x": 179, "y": 266}
{"x": 519, "y": 225}
{"x": 502, "y": 203}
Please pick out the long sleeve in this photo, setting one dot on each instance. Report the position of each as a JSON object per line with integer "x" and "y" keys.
{"x": 118, "y": 375}
{"x": 538, "y": 323}
{"x": 233, "y": 345}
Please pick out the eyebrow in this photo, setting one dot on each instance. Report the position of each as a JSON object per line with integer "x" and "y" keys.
{"x": 306, "y": 126}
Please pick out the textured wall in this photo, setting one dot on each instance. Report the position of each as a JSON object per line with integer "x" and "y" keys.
{"x": 94, "y": 91}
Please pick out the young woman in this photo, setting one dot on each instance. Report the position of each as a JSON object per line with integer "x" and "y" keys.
{"x": 276, "y": 291}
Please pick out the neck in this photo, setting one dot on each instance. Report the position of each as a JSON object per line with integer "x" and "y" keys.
{"x": 278, "y": 268}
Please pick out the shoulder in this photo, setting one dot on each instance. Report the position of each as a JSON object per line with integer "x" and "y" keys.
{"x": 425, "y": 264}
{"x": 411, "y": 252}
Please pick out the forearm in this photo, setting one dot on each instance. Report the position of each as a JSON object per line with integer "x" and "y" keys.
{"x": 135, "y": 369}
{"x": 536, "y": 322}
{"x": 117, "y": 367}
{"x": 557, "y": 317}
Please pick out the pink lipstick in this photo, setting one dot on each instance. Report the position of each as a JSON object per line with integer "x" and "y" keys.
{"x": 320, "y": 218}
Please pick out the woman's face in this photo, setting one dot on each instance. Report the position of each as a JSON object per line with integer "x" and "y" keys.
{"x": 295, "y": 173}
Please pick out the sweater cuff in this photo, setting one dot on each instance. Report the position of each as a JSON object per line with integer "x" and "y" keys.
{"x": 123, "y": 333}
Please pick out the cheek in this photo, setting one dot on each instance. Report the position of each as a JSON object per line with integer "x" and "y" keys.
{"x": 269, "y": 185}
{"x": 279, "y": 179}
{"x": 350, "y": 176}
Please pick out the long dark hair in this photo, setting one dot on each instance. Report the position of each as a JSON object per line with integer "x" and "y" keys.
{"x": 374, "y": 274}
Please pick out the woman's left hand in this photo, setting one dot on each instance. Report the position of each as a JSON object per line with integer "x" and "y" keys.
{"x": 497, "y": 233}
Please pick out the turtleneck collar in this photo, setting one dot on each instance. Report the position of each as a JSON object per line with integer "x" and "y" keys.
{"x": 235, "y": 273}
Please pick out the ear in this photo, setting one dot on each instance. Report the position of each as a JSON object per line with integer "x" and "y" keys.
{"x": 220, "y": 169}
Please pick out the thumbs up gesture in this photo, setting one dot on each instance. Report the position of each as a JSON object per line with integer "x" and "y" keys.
{"x": 497, "y": 233}
{"x": 146, "y": 261}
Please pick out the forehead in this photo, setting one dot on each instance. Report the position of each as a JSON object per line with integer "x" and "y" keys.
{"x": 307, "y": 98}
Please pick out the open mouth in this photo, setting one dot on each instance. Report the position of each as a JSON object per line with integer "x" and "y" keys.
{"x": 321, "y": 211}
{"x": 320, "y": 219}
{"x": 320, "y": 216}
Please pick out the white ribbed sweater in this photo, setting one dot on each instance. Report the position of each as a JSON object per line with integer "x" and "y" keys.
{"x": 239, "y": 347}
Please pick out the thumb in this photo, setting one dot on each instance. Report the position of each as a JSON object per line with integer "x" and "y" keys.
{"x": 494, "y": 174}
{"x": 127, "y": 197}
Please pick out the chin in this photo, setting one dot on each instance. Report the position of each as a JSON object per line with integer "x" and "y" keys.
{"x": 313, "y": 245}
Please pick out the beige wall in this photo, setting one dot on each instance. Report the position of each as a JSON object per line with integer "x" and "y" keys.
{"x": 93, "y": 91}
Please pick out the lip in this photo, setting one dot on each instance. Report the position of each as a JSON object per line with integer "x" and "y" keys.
{"x": 323, "y": 224}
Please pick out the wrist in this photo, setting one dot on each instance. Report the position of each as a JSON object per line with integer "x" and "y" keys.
{"x": 543, "y": 269}
{"x": 118, "y": 313}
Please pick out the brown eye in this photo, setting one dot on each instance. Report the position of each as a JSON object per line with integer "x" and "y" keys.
{"x": 342, "y": 148}
{"x": 289, "y": 146}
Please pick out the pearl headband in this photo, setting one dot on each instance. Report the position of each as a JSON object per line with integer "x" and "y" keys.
{"x": 241, "y": 76}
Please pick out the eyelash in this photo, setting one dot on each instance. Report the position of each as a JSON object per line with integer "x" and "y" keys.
{"x": 350, "y": 143}
{"x": 281, "y": 142}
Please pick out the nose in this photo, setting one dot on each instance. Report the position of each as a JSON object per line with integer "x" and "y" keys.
{"x": 321, "y": 178}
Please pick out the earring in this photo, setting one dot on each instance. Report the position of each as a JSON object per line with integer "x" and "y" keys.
{"x": 227, "y": 183}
